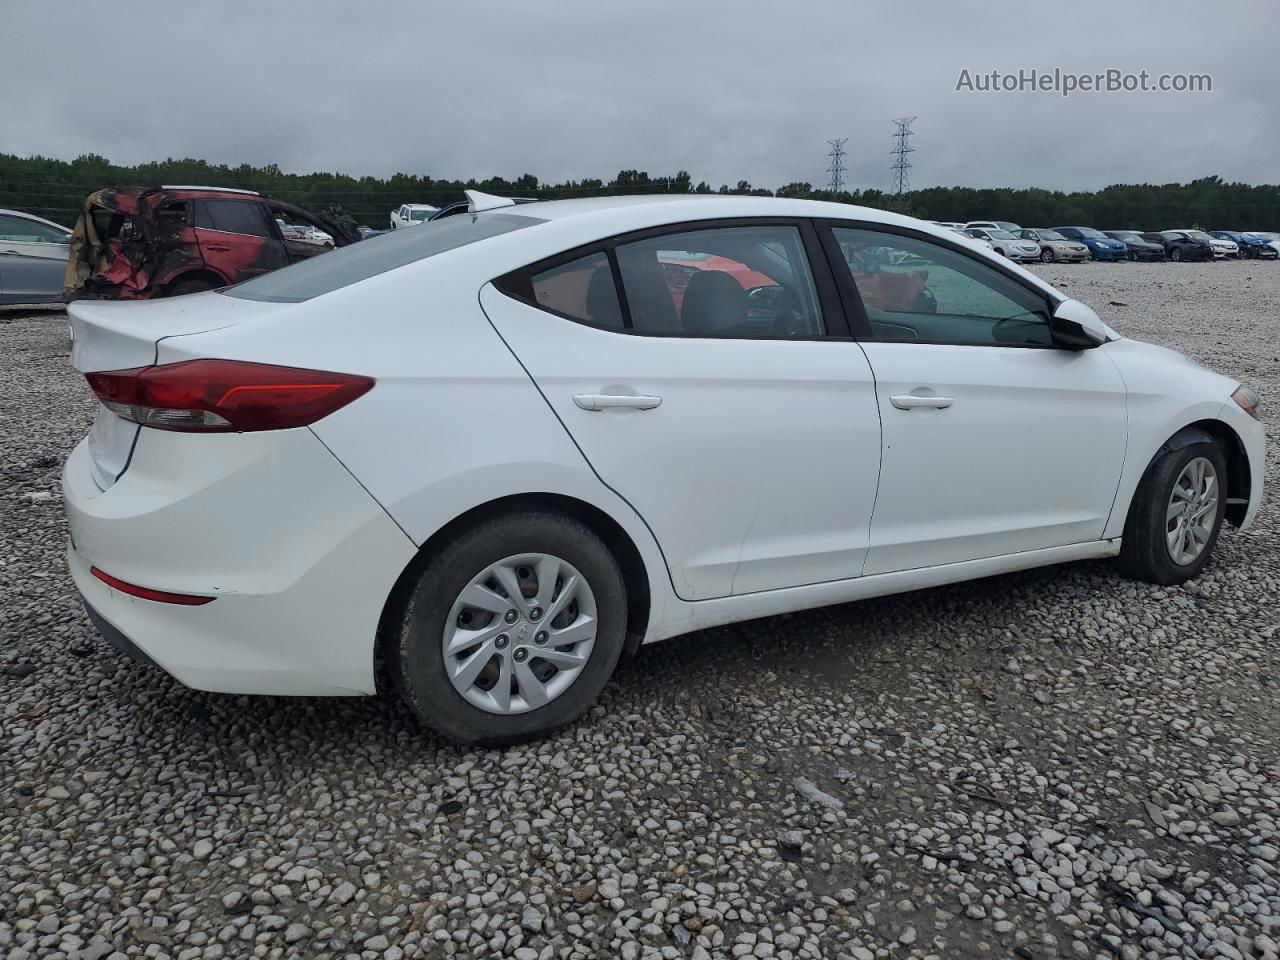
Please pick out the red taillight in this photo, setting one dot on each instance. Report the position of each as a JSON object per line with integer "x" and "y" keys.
{"x": 146, "y": 593}
{"x": 225, "y": 395}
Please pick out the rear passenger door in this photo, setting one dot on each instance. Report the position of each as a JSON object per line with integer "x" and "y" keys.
{"x": 707, "y": 374}
{"x": 237, "y": 238}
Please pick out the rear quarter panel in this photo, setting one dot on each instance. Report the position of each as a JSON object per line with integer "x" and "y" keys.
{"x": 453, "y": 422}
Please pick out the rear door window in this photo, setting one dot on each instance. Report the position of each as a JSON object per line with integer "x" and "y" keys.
{"x": 232, "y": 216}
{"x": 747, "y": 282}
{"x": 22, "y": 230}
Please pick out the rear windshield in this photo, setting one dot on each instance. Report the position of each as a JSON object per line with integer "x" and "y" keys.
{"x": 368, "y": 258}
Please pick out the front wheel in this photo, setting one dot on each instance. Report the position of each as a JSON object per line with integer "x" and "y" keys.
{"x": 1175, "y": 255}
{"x": 512, "y": 630}
{"x": 1176, "y": 514}
{"x": 1046, "y": 255}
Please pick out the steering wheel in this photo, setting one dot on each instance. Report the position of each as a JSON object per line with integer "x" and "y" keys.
{"x": 790, "y": 319}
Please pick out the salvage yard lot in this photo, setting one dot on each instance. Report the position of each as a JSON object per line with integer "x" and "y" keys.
{"x": 1059, "y": 762}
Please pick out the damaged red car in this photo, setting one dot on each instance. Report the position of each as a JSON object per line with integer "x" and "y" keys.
{"x": 138, "y": 243}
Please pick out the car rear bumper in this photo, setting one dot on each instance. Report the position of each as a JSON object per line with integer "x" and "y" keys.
{"x": 298, "y": 558}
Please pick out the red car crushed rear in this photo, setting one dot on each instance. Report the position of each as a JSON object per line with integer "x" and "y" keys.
{"x": 136, "y": 243}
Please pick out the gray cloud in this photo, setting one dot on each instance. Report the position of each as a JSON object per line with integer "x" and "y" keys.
{"x": 727, "y": 90}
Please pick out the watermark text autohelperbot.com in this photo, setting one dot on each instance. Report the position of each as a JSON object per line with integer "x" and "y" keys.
{"x": 1065, "y": 83}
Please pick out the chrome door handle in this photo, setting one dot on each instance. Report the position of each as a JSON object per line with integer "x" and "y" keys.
{"x": 909, "y": 401}
{"x": 601, "y": 401}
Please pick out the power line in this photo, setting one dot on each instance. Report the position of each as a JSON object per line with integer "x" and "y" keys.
{"x": 837, "y": 168}
{"x": 901, "y": 148}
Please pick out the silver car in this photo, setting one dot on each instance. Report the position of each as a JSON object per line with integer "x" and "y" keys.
{"x": 1054, "y": 246}
{"x": 1005, "y": 243}
{"x": 33, "y": 258}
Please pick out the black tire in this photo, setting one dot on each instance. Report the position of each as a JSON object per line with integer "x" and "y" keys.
{"x": 1144, "y": 553}
{"x": 1175, "y": 255}
{"x": 190, "y": 286}
{"x": 417, "y": 660}
{"x": 1046, "y": 255}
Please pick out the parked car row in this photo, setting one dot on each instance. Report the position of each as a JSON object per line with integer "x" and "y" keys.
{"x": 1076, "y": 244}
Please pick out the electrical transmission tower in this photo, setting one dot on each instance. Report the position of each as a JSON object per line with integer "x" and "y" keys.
{"x": 836, "y": 169}
{"x": 902, "y": 146}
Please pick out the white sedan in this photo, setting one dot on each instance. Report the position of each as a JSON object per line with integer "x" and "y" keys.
{"x": 563, "y": 430}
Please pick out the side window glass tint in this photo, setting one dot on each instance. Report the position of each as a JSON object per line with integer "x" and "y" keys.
{"x": 581, "y": 289}
{"x": 750, "y": 282}
{"x": 232, "y": 216}
{"x": 915, "y": 289}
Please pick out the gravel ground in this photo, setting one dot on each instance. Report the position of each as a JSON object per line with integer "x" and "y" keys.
{"x": 1055, "y": 763}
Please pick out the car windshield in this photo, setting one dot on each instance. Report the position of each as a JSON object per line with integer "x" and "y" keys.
{"x": 1002, "y": 234}
{"x": 1092, "y": 234}
{"x": 419, "y": 214}
{"x": 368, "y": 258}
{"x": 1050, "y": 235}
{"x": 1126, "y": 236}
{"x": 1199, "y": 235}
{"x": 1006, "y": 225}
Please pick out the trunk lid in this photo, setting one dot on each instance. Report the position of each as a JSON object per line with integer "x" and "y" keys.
{"x": 108, "y": 335}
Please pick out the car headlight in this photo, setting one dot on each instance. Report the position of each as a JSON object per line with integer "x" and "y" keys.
{"x": 1247, "y": 399}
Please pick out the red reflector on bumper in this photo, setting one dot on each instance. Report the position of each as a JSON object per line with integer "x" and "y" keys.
{"x": 159, "y": 596}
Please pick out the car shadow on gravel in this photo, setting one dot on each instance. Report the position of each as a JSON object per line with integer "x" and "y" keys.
{"x": 867, "y": 646}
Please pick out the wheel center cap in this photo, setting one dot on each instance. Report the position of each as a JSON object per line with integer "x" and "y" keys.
{"x": 521, "y": 631}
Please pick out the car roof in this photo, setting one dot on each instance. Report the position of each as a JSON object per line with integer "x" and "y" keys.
{"x": 420, "y": 206}
{"x": 32, "y": 216}
{"x": 675, "y": 208}
{"x": 566, "y": 224}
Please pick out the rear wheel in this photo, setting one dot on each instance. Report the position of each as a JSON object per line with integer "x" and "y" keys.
{"x": 512, "y": 630}
{"x": 1176, "y": 515}
{"x": 195, "y": 285}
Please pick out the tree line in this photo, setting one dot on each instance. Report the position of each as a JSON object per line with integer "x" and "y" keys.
{"x": 55, "y": 189}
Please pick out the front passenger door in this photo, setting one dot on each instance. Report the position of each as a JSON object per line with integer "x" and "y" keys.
{"x": 995, "y": 440}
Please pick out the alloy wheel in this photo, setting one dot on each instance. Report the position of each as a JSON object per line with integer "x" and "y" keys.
{"x": 520, "y": 633}
{"x": 1192, "y": 511}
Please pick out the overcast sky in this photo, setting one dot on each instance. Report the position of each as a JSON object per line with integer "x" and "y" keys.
{"x": 726, "y": 89}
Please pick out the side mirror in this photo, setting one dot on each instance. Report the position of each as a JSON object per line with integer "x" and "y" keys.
{"x": 1076, "y": 327}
